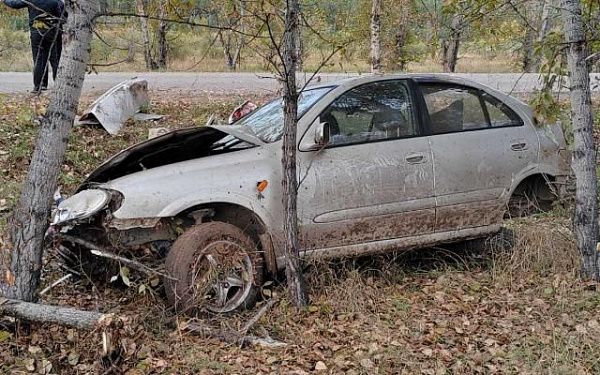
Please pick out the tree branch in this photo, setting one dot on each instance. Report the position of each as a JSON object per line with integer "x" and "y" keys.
{"x": 65, "y": 316}
{"x": 177, "y": 21}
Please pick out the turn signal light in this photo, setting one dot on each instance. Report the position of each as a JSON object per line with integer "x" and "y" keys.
{"x": 262, "y": 185}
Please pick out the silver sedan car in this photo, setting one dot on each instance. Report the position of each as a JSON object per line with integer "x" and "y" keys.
{"x": 385, "y": 163}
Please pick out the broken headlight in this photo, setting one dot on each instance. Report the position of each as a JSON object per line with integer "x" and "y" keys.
{"x": 81, "y": 206}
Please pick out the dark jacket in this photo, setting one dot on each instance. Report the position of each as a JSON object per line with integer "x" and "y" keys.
{"x": 43, "y": 14}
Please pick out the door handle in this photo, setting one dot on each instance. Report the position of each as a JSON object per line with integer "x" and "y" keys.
{"x": 518, "y": 146}
{"x": 415, "y": 159}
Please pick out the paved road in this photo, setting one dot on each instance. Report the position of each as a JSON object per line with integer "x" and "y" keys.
{"x": 251, "y": 82}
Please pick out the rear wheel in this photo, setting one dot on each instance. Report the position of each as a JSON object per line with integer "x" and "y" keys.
{"x": 214, "y": 266}
{"x": 530, "y": 198}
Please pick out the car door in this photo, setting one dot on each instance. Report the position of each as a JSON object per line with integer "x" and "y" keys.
{"x": 479, "y": 145}
{"x": 374, "y": 180}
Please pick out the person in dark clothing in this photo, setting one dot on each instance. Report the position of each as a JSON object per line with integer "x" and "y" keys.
{"x": 46, "y": 18}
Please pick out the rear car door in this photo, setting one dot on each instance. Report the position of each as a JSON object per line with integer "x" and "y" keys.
{"x": 479, "y": 145}
{"x": 374, "y": 181}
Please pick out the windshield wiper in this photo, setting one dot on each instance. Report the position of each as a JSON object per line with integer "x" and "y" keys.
{"x": 229, "y": 144}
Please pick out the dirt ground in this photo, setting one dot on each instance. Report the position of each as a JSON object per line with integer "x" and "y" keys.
{"x": 448, "y": 310}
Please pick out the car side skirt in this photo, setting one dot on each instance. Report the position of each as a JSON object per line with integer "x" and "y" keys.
{"x": 397, "y": 244}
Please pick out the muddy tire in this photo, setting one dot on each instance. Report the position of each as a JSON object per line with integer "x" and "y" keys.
{"x": 215, "y": 267}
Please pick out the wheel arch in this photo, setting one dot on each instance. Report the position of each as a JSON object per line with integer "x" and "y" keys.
{"x": 534, "y": 194}
{"x": 244, "y": 218}
{"x": 536, "y": 179}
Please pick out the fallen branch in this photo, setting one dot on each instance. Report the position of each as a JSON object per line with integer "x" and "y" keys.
{"x": 66, "y": 316}
{"x": 258, "y": 315}
{"x": 241, "y": 338}
{"x": 233, "y": 337}
{"x": 103, "y": 253}
{"x": 593, "y": 58}
{"x": 57, "y": 282}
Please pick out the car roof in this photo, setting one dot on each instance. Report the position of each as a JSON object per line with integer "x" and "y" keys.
{"x": 427, "y": 77}
{"x": 423, "y": 77}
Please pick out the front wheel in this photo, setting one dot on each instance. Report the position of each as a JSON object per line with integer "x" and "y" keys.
{"x": 213, "y": 266}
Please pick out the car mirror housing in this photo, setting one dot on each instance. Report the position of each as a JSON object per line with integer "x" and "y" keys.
{"x": 322, "y": 135}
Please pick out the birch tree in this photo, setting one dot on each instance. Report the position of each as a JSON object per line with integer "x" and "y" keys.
{"x": 376, "y": 37}
{"x": 535, "y": 39}
{"x": 401, "y": 26}
{"x": 141, "y": 10}
{"x": 585, "y": 221}
{"x": 163, "y": 25}
{"x": 231, "y": 15}
{"x": 545, "y": 25}
{"x": 451, "y": 43}
{"x": 293, "y": 272}
{"x": 21, "y": 260}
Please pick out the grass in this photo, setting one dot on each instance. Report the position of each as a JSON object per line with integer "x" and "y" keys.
{"x": 433, "y": 311}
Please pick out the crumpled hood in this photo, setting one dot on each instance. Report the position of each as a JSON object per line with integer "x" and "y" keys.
{"x": 167, "y": 190}
{"x": 170, "y": 148}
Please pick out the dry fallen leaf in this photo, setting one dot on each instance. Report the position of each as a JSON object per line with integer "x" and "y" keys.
{"x": 366, "y": 363}
{"x": 29, "y": 364}
{"x": 320, "y": 366}
{"x": 73, "y": 358}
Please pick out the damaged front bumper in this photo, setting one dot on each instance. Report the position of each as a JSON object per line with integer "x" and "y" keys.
{"x": 81, "y": 206}
{"x": 83, "y": 227}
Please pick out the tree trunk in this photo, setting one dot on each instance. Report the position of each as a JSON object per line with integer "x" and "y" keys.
{"x": 242, "y": 40}
{"x": 141, "y": 10}
{"x": 23, "y": 263}
{"x": 451, "y": 44}
{"x": 528, "y": 49}
{"x": 399, "y": 43}
{"x": 163, "y": 46}
{"x": 376, "y": 37}
{"x": 530, "y": 16}
{"x": 293, "y": 271}
{"x": 65, "y": 316}
{"x": 545, "y": 26}
{"x": 227, "y": 49}
{"x": 585, "y": 221}
{"x": 299, "y": 50}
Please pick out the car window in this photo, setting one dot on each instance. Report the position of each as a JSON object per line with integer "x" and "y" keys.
{"x": 267, "y": 121}
{"x": 453, "y": 108}
{"x": 500, "y": 114}
{"x": 371, "y": 112}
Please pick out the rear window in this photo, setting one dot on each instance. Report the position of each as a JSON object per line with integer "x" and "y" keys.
{"x": 455, "y": 108}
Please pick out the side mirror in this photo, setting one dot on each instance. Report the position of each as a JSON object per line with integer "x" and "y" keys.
{"x": 322, "y": 135}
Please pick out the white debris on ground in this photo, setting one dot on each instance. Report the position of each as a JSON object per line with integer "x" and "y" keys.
{"x": 119, "y": 104}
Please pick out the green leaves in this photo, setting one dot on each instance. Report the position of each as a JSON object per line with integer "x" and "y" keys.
{"x": 5, "y": 336}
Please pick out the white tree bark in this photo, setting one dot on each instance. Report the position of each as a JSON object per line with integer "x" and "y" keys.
{"x": 530, "y": 16}
{"x": 293, "y": 270}
{"x": 376, "y": 37}
{"x": 163, "y": 44}
{"x": 401, "y": 25}
{"x": 141, "y": 10}
{"x": 451, "y": 44}
{"x": 585, "y": 222}
{"x": 53, "y": 314}
{"x": 22, "y": 261}
{"x": 226, "y": 40}
{"x": 545, "y": 26}
{"x": 528, "y": 49}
